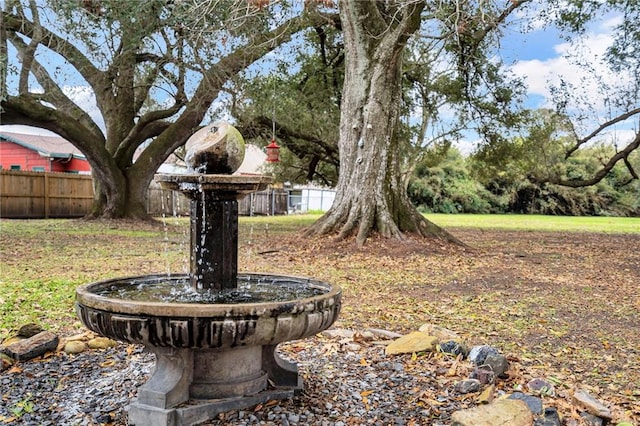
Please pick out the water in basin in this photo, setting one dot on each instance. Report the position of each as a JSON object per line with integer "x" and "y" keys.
{"x": 250, "y": 289}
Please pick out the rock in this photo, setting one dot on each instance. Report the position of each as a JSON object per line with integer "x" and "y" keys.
{"x": 502, "y": 412}
{"x": 82, "y": 336}
{"x": 294, "y": 418}
{"x": 352, "y": 347}
{"x": 29, "y": 330}
{"x": 32, "y": 347}
{"x": 534, "y": 403}
{"x": 75, "y": 347}
{"x": 441, "y": 333}
{"x": 591, "y": 405}
{"x": 467, "y": 386}
{"x": 498, "y": 364}
{"x": 591, "y": 420}
{"x": 338, "y": 333}
{"x": 550, "y": 417}
{"x": 215, "y": 149}
{"x": 383, "y": 334}
{"x": 454, "y": 348}
{"x": 365, "y": 336}
{"x": 478, "y": 354}
{"x": 10, "y": 341}
{"x": 415, "y": 341}
{"x": 484, "y": 374}
{"x": 541, "y": 387}
{"x": 101, "y": 343}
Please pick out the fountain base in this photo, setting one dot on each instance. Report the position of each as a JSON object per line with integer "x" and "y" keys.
{"x": 198, "y": 411}
{"x": 191, "y": 386}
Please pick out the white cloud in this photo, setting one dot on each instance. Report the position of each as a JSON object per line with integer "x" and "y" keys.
{"x": 540, "y": 75}
{"x": 617, "y": 136}
{"x": 610, "y": 23}
{"x": 467, "y": 146}
{"x": 581, "y": 65}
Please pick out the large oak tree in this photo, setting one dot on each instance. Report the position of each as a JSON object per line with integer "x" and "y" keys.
{"x": 371, "y": 192}
{"x": 371, "y": 195}
{"x": 154, "y": 67}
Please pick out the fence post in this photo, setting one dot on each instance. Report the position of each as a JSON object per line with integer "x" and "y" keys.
{"x": 273, "y": 202}
{"x": 46, "y": 196}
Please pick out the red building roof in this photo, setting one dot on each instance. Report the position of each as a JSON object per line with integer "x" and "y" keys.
{"x": 50, "y": 146}
{"x": 38, "y": 152}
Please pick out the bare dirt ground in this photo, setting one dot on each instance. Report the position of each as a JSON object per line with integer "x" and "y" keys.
{"x": 563, "y": 304}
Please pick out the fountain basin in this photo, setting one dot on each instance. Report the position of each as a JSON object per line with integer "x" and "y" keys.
{"x": 202, "y": 325}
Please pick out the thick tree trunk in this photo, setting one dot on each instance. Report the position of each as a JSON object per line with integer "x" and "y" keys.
{"x": 126, "y": 199}
{"x": 370, "y": 194}
{"x": 121, "y": 194}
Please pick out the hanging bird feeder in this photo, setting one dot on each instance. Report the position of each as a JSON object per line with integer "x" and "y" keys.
{"x": 273, "y": 152}
{"x": 273, "y": 149}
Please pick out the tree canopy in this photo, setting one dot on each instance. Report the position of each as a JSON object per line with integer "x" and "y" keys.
{"x": 153, "y": 69}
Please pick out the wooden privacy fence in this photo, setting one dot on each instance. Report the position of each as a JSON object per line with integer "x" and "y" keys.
{"x": 32, "y": 195}
{"x": 43, "y": 195}
{"x": 268, "y": 202}
{"x": 163, "y": 202}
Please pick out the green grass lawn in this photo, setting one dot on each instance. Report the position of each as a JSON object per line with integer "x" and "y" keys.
{"x": 612, "y": 225}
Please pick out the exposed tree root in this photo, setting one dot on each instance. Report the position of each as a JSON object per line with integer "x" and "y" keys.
{"x": 345, "y": 223}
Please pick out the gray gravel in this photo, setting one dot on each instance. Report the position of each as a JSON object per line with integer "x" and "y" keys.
{"x": 343, "y": 386}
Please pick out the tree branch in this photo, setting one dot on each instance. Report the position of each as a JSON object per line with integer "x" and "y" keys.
{"x": 29, "y": 111}
{"x": 600, "y": 174}
{"x": 493, "y": 24}
{"x": 29, "y": 51}
{"x": 51, "y": 41}
{"x": 53, "y": 94}
{"x": 214, "y": 79}
{"x": 600, "y": 128}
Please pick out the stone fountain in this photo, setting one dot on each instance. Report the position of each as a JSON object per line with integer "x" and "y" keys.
{"x": 214, "y": 331}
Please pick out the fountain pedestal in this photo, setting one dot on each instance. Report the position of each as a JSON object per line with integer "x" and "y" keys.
{"x": 214, "y": 223}
{"x": 188, "y": 387}
{"x": 210, "y": 357}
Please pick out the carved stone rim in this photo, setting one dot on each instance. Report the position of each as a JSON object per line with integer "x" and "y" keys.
{"x": 87, "y": 298}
